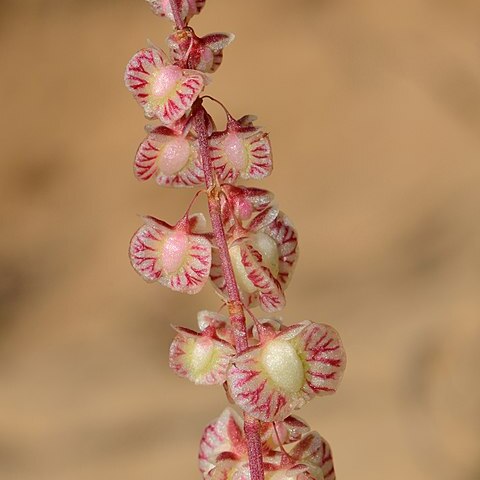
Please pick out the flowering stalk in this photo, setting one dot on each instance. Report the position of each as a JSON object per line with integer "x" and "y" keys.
{"x": 235, "y": 306}
{"x": 268, "y": 369}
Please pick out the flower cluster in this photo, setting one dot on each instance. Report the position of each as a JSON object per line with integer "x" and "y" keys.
{"x": 249, "y": 254}
{"x": 223, "y": 450}
{"x": 282, "y": 369}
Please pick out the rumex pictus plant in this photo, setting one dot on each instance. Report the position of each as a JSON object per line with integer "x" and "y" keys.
{"x": 268, "y": 369}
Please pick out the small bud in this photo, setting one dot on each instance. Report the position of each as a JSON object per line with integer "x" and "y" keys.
{"x": 203, "y": 54}
{"x": 243, "y": 202}
{"x": 264, "y": 328}
{"x": 218, "y": 322}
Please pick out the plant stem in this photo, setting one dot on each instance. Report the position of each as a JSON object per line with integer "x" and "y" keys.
{"x": 235, "y": 306}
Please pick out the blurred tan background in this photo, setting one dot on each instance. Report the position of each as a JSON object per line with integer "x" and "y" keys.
{"x": 374, "y": 112}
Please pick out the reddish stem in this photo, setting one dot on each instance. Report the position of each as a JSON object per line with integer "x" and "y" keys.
{"x": 235, "y": 307}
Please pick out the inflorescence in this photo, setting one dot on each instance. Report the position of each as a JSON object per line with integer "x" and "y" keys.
{"x": 268, "y": 369}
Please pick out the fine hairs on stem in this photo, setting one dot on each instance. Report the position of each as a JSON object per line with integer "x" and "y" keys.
{"x": 268, "y": 369}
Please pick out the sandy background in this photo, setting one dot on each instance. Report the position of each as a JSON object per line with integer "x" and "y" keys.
{"x": 374, "y": 112}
